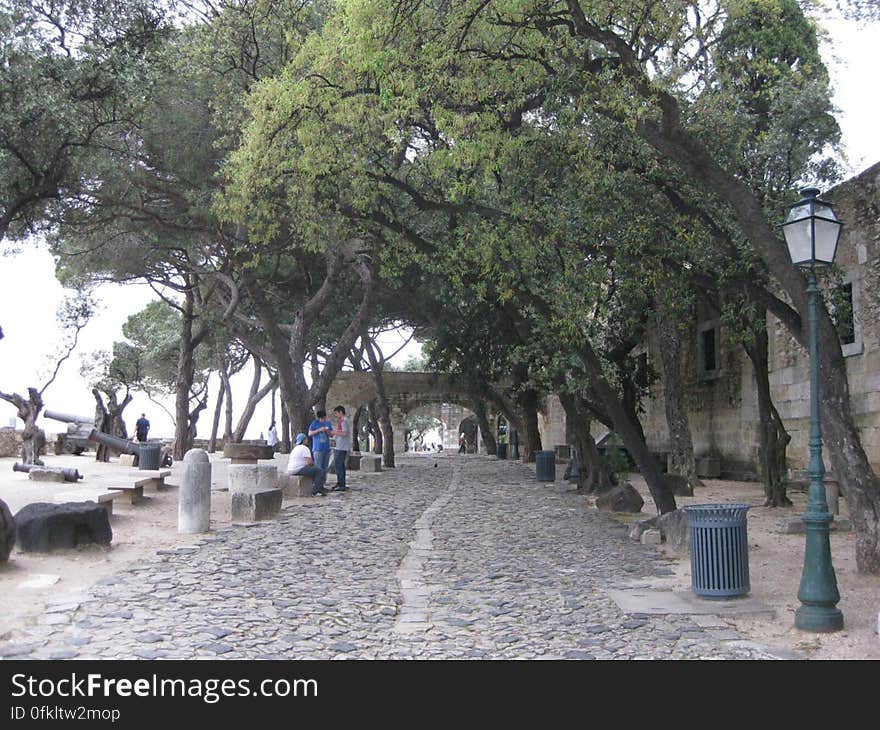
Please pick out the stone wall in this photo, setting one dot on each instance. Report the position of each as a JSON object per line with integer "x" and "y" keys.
{"x": 10, "y": 442}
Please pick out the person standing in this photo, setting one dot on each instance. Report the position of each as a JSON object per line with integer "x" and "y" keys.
{"x": 319, "y": 431}
{"x": 343, "y": 446}
{"x": 301, "y": 463}
{"x": 461, "y": 443}
{"x": 142, "y": 427}
{"x": 272, "y": 438}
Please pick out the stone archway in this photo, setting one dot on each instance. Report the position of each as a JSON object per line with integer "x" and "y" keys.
{"x": 406, "y": 392}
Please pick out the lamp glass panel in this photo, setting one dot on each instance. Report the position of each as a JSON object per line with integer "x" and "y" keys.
{"x": 827, "y": 233}
{"x": 797, "y": 238}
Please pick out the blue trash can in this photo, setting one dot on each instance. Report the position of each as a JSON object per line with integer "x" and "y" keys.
{"x": 545, "y": 466}
{"x": 719, "y": 550}
{"x": 148, "y": 456}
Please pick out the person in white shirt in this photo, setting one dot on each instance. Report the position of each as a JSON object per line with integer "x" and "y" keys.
{"x": 272, "y": 438}
{"x": 301, "y": 463}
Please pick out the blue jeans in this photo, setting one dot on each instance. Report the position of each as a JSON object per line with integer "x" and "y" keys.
{"x": 310, "y": 470}
{"x": 339, "y": 459}
{"x": 322, "y": 458}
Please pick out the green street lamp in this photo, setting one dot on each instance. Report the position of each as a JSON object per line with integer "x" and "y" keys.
{"x": 812, "y": 231}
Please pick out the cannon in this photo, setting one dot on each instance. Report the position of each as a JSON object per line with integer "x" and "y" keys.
{"x": 148, "y": 455}
{"x": 70, "y": 475}
{"x": 76, "y": 440}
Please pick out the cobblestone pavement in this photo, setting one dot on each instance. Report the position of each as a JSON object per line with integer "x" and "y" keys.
{"x": 442, "y": 558}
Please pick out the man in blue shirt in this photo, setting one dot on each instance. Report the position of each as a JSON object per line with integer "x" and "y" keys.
{"x": 319, "y": 431}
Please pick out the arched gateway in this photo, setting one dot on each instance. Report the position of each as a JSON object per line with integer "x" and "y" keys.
{"x": 436, "y": 394}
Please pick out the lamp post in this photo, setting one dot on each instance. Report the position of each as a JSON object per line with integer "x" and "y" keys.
{"x": 811, "y": 233}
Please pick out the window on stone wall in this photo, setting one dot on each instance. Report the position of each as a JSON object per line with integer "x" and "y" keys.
{"x": 708, "y": 351}
{"x": 844, "y": 306}
{"x": 642, "y": 376}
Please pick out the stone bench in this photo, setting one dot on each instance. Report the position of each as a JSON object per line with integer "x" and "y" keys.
{"x": 353, "y": 461}
{"x": 135, "y": 492}
{"x": 44, "y": 527}
{"x": 371, "y": 462}
{"x": 153, "y": 480}
{"x": 103, "y": 498}
{"x": 254, "y": 506}
{"x": 295, "y": 485}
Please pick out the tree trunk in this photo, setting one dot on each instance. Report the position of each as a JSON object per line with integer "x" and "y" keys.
{"x": 218, "y": 409}
{"x": 109, "y": 420}
{"x": 33, "y": 439}
{"x": 255, "y": 395}
{"x": 773, "y": 438}
{"x": 662, "y": 495}
{"x": 359, "y": 414}
{"x": 681, "y": 444}
{"x": 485, "y": 428}
{"x": 285, "y": 430}
{"x": 531, "y": 442}
{"x": 592, "y": 473}
{"x": 183, "y": 438}
{"x": 385, "y": 425}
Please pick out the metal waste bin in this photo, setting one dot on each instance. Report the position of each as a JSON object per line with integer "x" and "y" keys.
{"x": 501, "y": 451}
{"x": 545, "y": 466}
{"x": 719, "y": 550}
{"x": 148, "y": 456}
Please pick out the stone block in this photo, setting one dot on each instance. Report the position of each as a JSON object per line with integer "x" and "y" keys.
{"x": 353, "y": 462}
{"x": 252, "y": 477}
{"x": 126, "y": 459}
{"x": 7, "y": 532}
{"x": 709, "y": 466}
{"x": 795, "y": 525}
{"x": 371, "y": 462}
{"x": 295, "y": 485}
{"x": 680, "y": 486}
{"x": 44, "y": 527}
{"x": 256, "y": 505}
{"x": 622, "y": 498}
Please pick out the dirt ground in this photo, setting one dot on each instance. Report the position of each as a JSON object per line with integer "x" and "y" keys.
{"x": 776, "y": 563}
{"x": 28, "y": 582}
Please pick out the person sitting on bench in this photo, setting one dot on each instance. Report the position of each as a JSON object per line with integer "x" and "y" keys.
{"x": 301, "y": 463}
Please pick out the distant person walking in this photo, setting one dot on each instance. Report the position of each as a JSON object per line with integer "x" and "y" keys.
{"x": 319, "y": 431}
{"x": 301, "y": 463}
{"x": 462, "y": 444}
{"x": 343, "y": 446}
{"x": 142, "y": 427}
{"x": 272, "y": 438}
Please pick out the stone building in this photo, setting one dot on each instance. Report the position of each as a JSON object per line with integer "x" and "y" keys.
{"x": 722, "y": 395}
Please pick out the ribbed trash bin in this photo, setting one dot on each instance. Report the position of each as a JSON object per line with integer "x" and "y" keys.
{"x": 501, "y": 451}
{"x": 148, "y": 456}
{"x": 545, "y": 466}
{"x": 719, "y": 550}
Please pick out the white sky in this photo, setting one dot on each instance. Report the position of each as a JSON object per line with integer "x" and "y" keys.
{"x": 30, "y": 294}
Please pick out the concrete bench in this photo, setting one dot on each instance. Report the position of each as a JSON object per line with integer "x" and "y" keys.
{"x": 294, "y": 485}
{"x": 254, "y": 506}
{"x": 102, "y": 497}
{"x": 153, "y": 479}
{"x": 371, "y": 462}
{"x": 135, "y": 492}
{"x": 353, "y": 461}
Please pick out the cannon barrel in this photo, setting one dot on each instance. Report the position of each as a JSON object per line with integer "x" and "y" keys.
{"x": 67, "y": 417}
{"x": 123, "y": 446}
{"x": 70, "y": 475}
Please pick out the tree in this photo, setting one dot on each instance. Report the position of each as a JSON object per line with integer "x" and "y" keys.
{"x": 74, "y": 314}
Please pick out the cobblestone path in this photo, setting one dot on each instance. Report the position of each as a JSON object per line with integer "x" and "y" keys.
{"x": 471, "y": 558}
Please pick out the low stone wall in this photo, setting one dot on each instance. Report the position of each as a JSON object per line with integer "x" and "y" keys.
{"x": 10, "y": 442}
